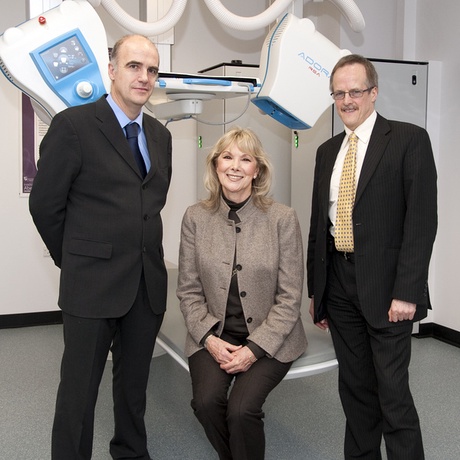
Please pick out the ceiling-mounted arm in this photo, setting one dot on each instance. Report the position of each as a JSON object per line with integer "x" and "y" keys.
{"x": 248, "y": 23}
{"x": 353, "y": 14}
{"x": 347, "y": 7}
{"x": 140, "y": 27}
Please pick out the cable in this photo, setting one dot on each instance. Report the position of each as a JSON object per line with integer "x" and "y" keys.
{"x": 248, "y": 100}
{"x": 348, "y": 8}
{"x": 210, "y": 123}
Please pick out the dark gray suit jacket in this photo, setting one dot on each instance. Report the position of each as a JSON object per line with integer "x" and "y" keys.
{"x": 100, "y": 221}
{"x": 394, "y": 218}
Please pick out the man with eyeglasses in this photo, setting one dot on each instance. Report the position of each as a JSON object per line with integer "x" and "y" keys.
{"x": 367, "y": 273}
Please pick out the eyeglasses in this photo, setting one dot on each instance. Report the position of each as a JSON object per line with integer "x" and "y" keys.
{"x": 354, "y": 93}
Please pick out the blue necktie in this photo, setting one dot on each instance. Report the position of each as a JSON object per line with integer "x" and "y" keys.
{"x": 132, "y": 131}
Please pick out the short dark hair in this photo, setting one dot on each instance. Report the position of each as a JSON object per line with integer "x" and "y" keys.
{"x": 371, "y": 74}
{"x": 119, "y": 43}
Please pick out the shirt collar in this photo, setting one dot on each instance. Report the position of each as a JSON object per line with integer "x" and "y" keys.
{"x": 122, "y": 118}
{"x": 364, "y": 130}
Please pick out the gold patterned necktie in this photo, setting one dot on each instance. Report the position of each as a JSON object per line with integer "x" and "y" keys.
{"x": 347, "y": 191}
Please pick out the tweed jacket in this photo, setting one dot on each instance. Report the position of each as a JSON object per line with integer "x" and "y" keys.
{"x": 269, "y": 257}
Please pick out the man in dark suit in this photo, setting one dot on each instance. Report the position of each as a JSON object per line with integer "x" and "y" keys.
{"x": 369, "y": 291}
{"x": 100, "y": 219}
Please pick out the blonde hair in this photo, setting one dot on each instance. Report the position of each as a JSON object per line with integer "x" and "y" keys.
{"x": 248, "y": 142}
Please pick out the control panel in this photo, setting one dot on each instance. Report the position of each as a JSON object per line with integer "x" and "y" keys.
{"x": 59, "y": 59}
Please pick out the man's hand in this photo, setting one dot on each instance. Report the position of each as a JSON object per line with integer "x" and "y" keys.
{"x": 401, "y": 311}
{"x": 323, "y": 324}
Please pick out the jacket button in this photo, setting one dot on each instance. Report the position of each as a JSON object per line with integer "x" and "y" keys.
{"x": 238, "y": 229}
{"x": 249, "y": 320}
{"x": 243, "y": 293}
{"x": 146, "y": 217}
{"x": 238, "y": 267}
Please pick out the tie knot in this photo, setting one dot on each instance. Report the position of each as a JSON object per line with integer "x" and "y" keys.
{"x": 132, "y": 130}
{"x": 352, "y": 137}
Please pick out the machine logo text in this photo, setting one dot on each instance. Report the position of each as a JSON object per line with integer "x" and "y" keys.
{"x": 315, "y": 67}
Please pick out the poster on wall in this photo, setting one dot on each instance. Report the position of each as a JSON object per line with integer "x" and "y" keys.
{"x": 33, "y": 131}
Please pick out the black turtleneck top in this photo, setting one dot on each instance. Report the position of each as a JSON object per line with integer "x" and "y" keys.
{"x": 235, "y": 329}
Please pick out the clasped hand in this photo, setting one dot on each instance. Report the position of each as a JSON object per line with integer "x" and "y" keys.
{"x": 232, "y": 358}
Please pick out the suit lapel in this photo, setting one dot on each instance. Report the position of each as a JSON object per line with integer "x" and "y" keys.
{"x": 152, "y": 146}
{"x": 109, "y": 126}
{"x": 377, "y": 144}
{"x": 329, "y": 162}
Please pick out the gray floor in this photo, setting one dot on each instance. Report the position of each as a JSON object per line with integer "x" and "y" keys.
{"x": 303, "y": 416}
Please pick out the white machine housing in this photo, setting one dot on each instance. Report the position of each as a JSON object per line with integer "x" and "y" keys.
{"x": 181, "y": 95}
{"x": 295, "y": 66}
{"x": 59, "y": 59}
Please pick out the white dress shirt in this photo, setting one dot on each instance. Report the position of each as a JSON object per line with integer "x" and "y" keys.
{"x": 363, "y": 131}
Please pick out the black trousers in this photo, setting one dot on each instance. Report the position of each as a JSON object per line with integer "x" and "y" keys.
{"x": 373, "y": 374}
{"x": 233, "y": 420}
{"x": 87, "y": 343}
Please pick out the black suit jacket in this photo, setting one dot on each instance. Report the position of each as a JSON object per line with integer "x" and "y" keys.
{"x": 394, "y": 221}
{"x": 99, "y": 219}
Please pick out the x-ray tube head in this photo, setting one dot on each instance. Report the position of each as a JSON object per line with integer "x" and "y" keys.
{"x": 58, "y": 59}
{"x": 295, "y": 67}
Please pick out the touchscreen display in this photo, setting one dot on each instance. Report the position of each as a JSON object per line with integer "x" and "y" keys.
{"x": 65, "y": 58}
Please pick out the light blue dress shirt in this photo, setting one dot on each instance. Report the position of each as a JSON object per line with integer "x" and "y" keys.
{"x": 124, "y": 120}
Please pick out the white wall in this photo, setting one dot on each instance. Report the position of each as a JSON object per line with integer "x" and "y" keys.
{"x": 383, "y": 34}
{"x": 427, "y": 31}
{"x": 201, "y": 41}
{"x": 28, "y": 280}
{"x": 437, "y": 39}
{"x": 396, "y": 29}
